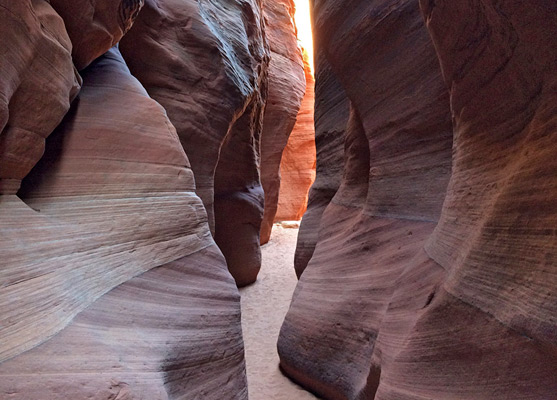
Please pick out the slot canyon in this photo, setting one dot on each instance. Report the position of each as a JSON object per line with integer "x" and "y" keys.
{"x": 278, "y": 200}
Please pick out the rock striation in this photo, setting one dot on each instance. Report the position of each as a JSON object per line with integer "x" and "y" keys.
{"x": 95, "y": 25}
{"x": 37, "y": 83}
{"x": 211, "y": 78}
{"x": 112, "y": 283}
{"x": 287, "y": 84}
{"x": 297, "y": 167}
{"x": 433, "y": 272}
{"x": 331, "y": 113}
{"x": 112, "y": 199}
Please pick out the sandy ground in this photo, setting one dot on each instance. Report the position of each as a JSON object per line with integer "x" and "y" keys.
{"x": 264, "y": 305}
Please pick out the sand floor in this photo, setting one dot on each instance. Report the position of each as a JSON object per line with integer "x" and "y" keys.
{"x": 264, "y": 305}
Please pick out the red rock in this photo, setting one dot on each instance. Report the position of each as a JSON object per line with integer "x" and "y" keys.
{"x": 210, "y": 76}
{"x": 396, "y": 167}
{"x": 113, "y": 199}
{"x": 37, "y": 83}
{"x": 297, "y": 167}
{"x": 286, "y": 91}
{"x": 407, "y": 297}
{"x": 94, "y": 26}
{"x": 331, "y": 117}
{"x": 491, "y": 327}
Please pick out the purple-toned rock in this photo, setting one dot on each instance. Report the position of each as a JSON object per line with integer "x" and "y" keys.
{"x": 417, "y": 289}
{"x": 206, "y": 64}
{"x": 112, "y": 284}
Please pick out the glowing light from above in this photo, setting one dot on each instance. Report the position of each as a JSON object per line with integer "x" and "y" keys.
{"x": 303, "y": 24}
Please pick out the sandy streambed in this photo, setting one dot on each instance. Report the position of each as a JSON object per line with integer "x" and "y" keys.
{"x": 264, "y": 305}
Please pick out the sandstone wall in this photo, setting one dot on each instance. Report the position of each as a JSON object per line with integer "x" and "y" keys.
{"x": 206, "y": 63}
{"x": 112, "y": 199}
{"x": 297, "y": 167}
{"x": 37, "y": 84}
{"x": 330, "y": 119}
{"x": 112, "y": 284}
{"x": 287, "y": 84}
{"x": 432, "y": 274}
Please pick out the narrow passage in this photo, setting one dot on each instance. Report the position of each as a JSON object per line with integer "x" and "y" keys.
{"x": 264, "y": 305}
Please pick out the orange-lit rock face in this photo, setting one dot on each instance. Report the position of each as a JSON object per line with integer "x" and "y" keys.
{"x": 286, "y": 90}
{"x": 304, "y": 29}
{"x": 416, "y": 291}
{"x": 297, "y": 168}
{"x": 211, "y": 79}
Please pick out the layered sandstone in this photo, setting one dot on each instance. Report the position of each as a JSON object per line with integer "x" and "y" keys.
{"x": 113, "y": 286}
{"x": 331, "y": 113}
{"x": 415, "y": 291}
{"x": 112, "y": 199}
{"x": 286, "y": 91}
{"x": 210, "y": 77}
{"x": 297, "y": 166}
{"x": 397, "y": 163}
{"x": 495, "y": 305}
{"x": 37, "y": 83}
{"x": 95, "y": 25}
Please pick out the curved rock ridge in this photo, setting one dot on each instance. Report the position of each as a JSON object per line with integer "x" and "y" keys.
{"x": 286, "y": 90}
{"x": 413, "y": 291}
{"x": 94, "y": 26}
{"x": 492, "y": 325}
{"x": 206, "y": 62}
{"x": 37, "y": 83}
{"x": 111, "y": 200}
{"x": 397, "y": 163}
{"x": 297, "y": 167}
{"x": 331, "y": 113}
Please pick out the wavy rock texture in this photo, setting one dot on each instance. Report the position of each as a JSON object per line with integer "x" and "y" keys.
{"x": 112, "y": 199}
{"x": 286, "y": 91}
{"x": 297, "y": 167}
{"x": 394, "y": 305}
{"x": 94, "y": 26}
{"x": 206, "y": 64}
{"x": 491, "y": 328}
{"x": 37, "y": 83}
{"x": 397, "y": 160}
{"x": 331, "y": 113}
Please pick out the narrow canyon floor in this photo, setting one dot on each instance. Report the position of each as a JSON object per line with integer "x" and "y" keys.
{"x": 264, "y": 305}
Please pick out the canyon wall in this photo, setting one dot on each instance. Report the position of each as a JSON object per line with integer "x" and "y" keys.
{"x": 297, "y": 166}
{"x": 286, "y": 91}
{"x": 433, "y": 269}
{"x": 212, "y": 81}
{"x": 112, "y": 284}
{"x": 331, "y": 112}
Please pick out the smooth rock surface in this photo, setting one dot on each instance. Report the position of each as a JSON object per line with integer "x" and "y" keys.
{"x": 414, "y": 292}
{"x": 331, "y": 116}
{"x": 287, "y": 84}
{"x": 113, "y": 199}
{"x": 297, "y": 167}
{"x": 397, "y": 163}
{"x": 491, "y": 327}
{"x": 37, "y": 83}
{"x": 206, "y": 64}
{"x": 94, "y": 26}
